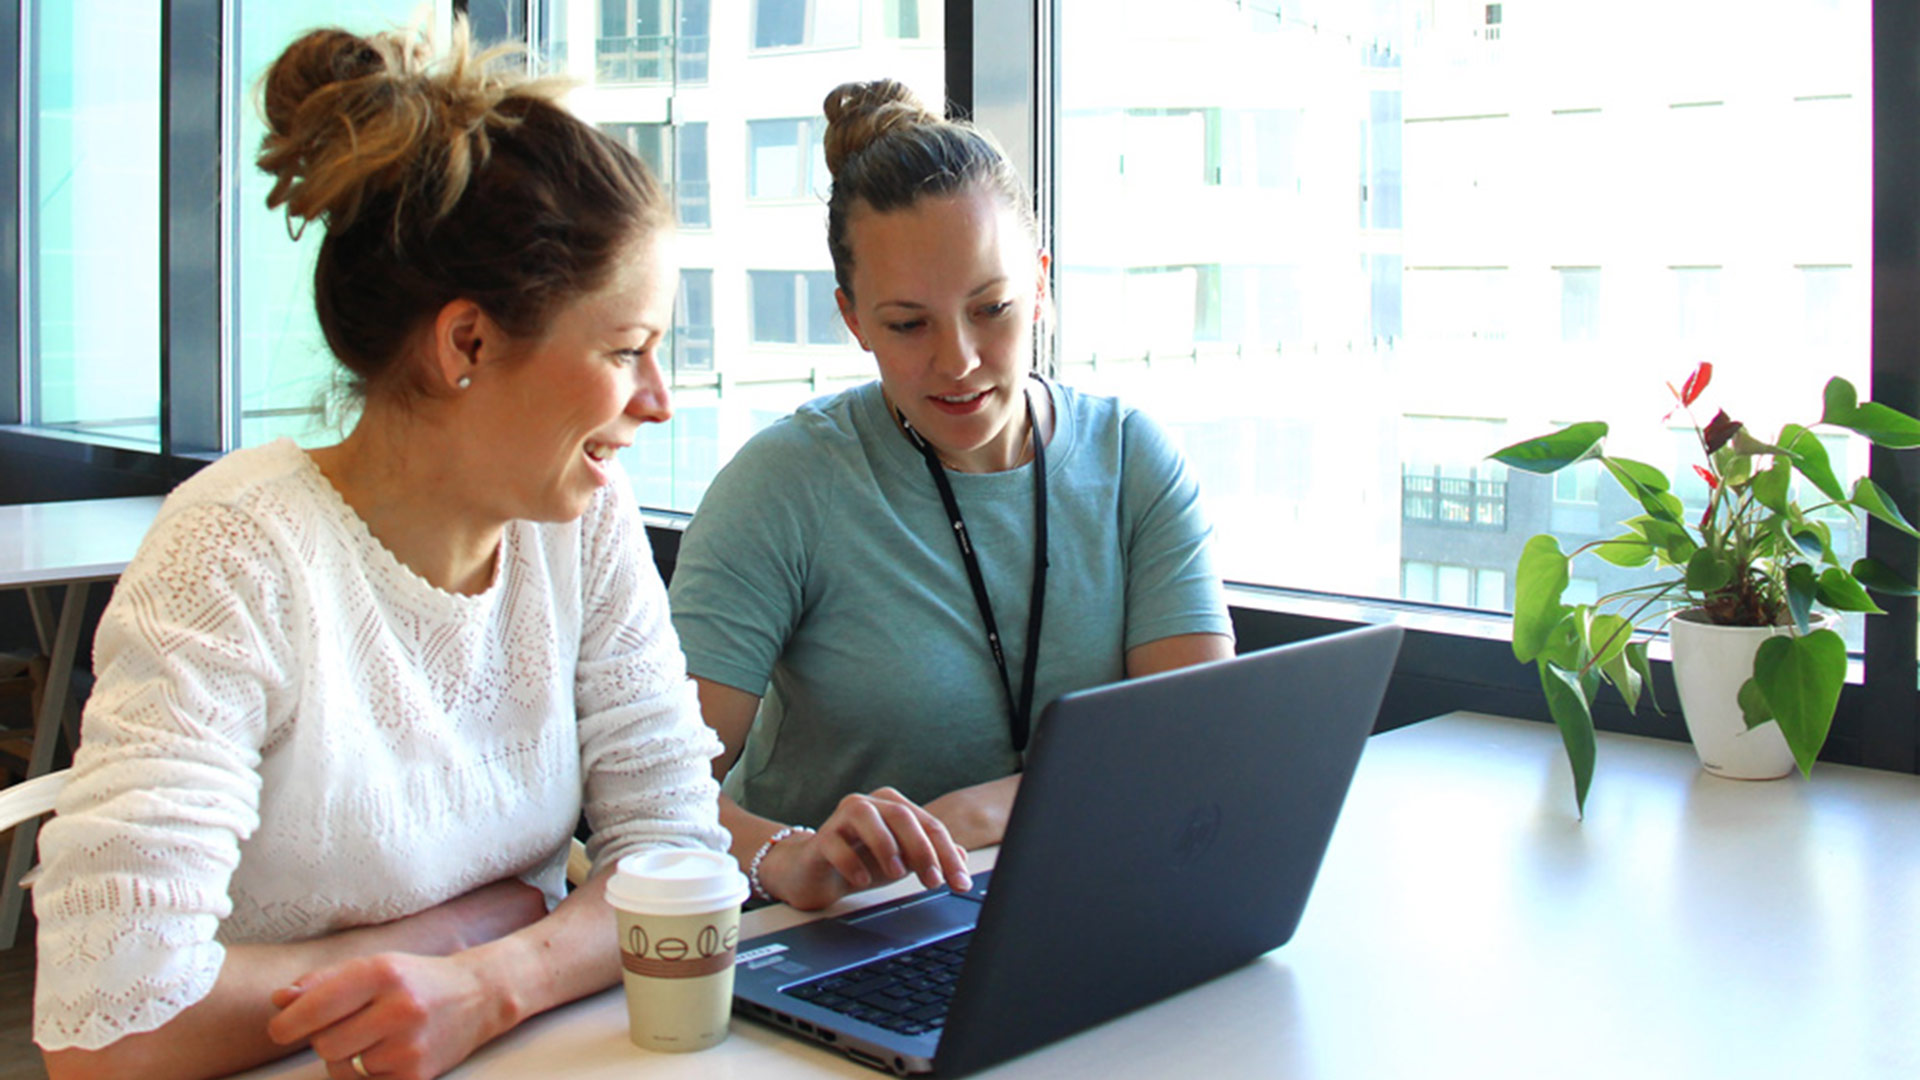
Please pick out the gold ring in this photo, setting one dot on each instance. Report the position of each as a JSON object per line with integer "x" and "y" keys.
{"x": 359, "y": 1066}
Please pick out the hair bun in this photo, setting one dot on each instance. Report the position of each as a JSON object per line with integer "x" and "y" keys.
{"x": 860, "y": 113}
{"x": 318, "y": 60}
{"x": 350, "y": 118}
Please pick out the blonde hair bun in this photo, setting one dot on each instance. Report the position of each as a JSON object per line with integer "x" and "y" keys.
{"x": 860, "y": 113}
{"x": 350, "y": 117}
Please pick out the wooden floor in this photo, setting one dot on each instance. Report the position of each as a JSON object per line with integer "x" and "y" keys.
{"x": 19, "y": 1059}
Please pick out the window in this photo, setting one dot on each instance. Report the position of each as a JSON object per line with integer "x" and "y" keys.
{"x": 786, "y": 159}
{"x": 1453, "y": 231}
{"x": 1696, "y": 293}
{"x": 901, "y": 18}
{"x": 693, "y": 322}
{"x": 1824, "y": 296}
{"x": 1380, "y": 162}
{"x": 1578, "y": 485}
{"x": 690, "y": 49}
{"x": 781, "y": 24}
{"x": 1454, "y": 586}
{"x": 633, "y": 45}
{"x": 1579, "y": 304}
{"x": 93, "y": 247}
{"x": 1238, "y": 284}
{"x": 288, "y": 380}
{"x": 692, "y": 192}
{"x": 687, "y": 182}
{"x": 795, "y": 308}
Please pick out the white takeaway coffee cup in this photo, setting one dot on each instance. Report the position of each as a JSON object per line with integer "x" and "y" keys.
{"x": 679, "y": 918}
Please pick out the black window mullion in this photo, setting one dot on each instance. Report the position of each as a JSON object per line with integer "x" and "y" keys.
{"x": 1889, "y": 722}
{"x": 11, "y": 158}
{"x": 192, "y": 359}
{"x": 959, "y": 45}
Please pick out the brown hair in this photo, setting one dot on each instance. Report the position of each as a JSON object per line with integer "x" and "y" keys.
{"x": 441, "y": 181}
{"x": 887, "y": 150}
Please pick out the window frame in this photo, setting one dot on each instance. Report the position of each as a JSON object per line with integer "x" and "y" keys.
{"x": 1450, "y": 660}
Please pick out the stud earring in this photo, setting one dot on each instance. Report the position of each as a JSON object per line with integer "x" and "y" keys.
{"x": 463, "y": 381}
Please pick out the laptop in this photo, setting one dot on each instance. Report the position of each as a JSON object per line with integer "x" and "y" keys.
{"x": 1168, "y": 830}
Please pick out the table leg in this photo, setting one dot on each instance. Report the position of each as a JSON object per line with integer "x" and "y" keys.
{"x": 46, "y": 733}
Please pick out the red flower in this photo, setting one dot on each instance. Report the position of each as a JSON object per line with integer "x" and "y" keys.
{"x": 1713, "y": 482}
{"x": 1696, "y": 383}
{"x": 1690, "y": 390}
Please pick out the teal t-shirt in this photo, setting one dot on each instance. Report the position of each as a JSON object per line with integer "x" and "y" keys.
{"x": 821, "y": 573}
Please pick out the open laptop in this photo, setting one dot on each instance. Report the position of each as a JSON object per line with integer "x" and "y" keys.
{"x": 1168, "y": 829}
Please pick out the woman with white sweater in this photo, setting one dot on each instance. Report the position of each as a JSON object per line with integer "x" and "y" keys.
{"x": 352, "y": 701}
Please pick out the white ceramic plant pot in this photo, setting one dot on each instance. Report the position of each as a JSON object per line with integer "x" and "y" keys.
{"x": 1710, "y": 663}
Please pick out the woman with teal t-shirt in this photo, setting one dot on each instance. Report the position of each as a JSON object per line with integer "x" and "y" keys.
{"x": 880, "y": 594}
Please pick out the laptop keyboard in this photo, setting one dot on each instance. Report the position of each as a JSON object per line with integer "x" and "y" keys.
{"x": 907, "y": 992}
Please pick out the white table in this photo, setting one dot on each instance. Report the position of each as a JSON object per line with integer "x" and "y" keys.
{"x": 43, "y": 546}
{"x": 1467, "y": 924}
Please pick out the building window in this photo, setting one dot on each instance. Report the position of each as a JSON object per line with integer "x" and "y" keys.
{"x": 690, "y": 48}
{"x": 692, "y": 191}
{"x": 1696, "y": 293}
{"x": 786, "y": 159}
{"x": 93, "y": 166}
{"x": 795, "y": 307}
{"x": 1467, "y": 498}
{"x": 1455, "y": 586}
{"x": 781, "y": 24}
{"x": 901, "y": 18}
{"x": 687, "y": 183}
{"x": 1579, "y": 304}
{"x": 647, "y": 141}
{"x": 1577, "y": 485}
{"x": 1824, "y": 292}
{"x": 1380, "y": 162}
{"x": 634, "y": 45}
{"x": 693, "y": 322}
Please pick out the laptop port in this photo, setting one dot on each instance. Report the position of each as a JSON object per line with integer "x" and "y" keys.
{"x": 804, "y": 1027}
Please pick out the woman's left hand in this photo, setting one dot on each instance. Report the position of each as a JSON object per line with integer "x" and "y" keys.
{"x": 405, "y": 1016}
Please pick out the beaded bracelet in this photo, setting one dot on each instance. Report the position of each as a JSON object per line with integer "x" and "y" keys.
{"x": 753, "y": 868}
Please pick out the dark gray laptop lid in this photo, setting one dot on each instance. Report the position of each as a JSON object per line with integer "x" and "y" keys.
{"x": 1168, "y": 829}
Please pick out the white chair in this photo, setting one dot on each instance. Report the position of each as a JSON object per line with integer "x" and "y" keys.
{"x": 21, "y": 807}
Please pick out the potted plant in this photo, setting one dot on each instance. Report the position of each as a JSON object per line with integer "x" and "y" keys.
{"x": 1755, "y": 558}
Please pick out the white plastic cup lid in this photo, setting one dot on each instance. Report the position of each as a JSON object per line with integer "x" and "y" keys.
{"x": 676, "y": 881}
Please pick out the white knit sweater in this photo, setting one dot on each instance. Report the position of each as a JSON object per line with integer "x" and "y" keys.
{"x": 292, "y": 734}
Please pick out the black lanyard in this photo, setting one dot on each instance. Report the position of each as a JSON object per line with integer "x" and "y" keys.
{"x": 1020, "y": 713}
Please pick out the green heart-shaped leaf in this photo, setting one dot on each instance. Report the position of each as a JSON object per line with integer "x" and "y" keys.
{"x": 1538, "y": 580}
{"x": 1648, "y": 487}
{"x": 1839, "y": 591}
{"x": 1801, "y": 678}
{"x": 1637, "y": 658}
{"x": 1670, "y": 538}
{"x": 1628, "y": 549}
{"x": 1607, "y": 638}
{"x": 1801, "y": 590}
{"x": 1882, "y": 578}
{"x": 1870, "y": 497}
{"x": 1573, "y": 715}
{"x": 1551, "y": 453}
{"x": 1624, "y": 677}
{"x": 1708, "y": 570}
{"x": 1811, "y": 459}
{"x": 1885, "y": 426}
{"x": 1753, "y": 705}
{"x": 1771, "y": 485}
